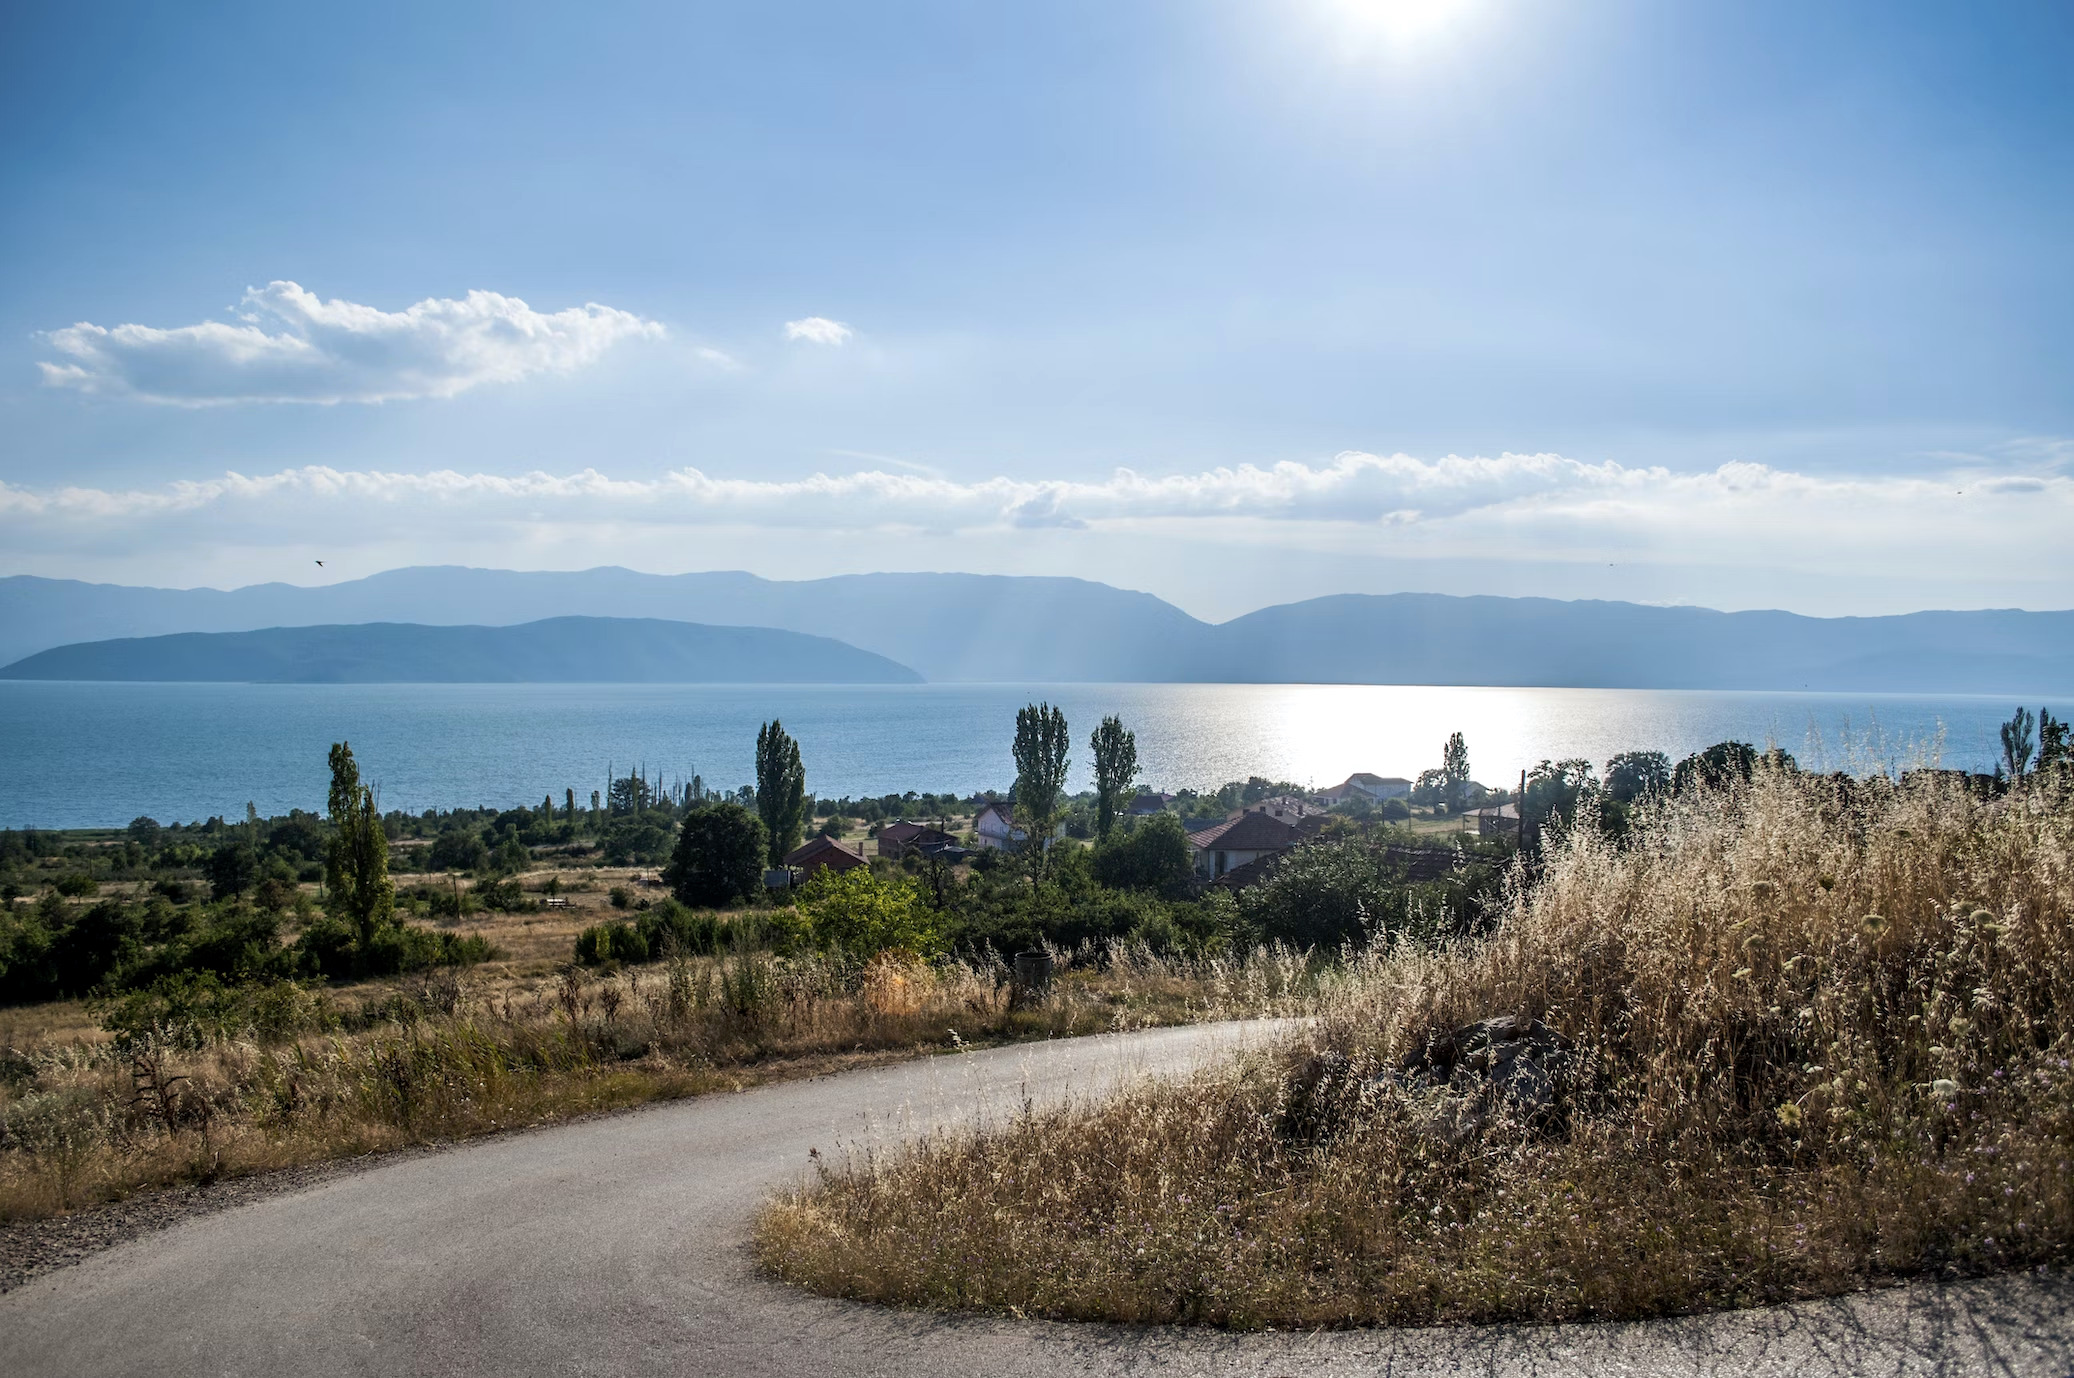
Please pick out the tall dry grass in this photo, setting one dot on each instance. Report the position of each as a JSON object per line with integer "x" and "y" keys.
{"x": 1821, "y": 1035}
{"x": 293, "y": 1076}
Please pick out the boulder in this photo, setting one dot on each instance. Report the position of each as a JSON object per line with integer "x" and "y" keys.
{"x": 1510, "y": 1069}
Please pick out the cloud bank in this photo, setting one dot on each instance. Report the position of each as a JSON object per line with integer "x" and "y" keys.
{"x": 818, "y": 330}
{"x": 1505, "y": 508}
{"x": 288, "y": 345}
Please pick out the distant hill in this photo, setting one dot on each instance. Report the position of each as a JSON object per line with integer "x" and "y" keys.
{"x": 564, "y": 650}
{"x": 966, "y": 627}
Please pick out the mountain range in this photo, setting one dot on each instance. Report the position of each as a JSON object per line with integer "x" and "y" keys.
{"x": 977, "y": 628}
{"x": 558, "y": 650}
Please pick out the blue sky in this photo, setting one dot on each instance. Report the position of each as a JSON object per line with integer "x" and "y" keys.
{"x": 1750, "y": 304}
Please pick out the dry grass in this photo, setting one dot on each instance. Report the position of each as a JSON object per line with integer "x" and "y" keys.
{"x": 1822, "y": 1035}
{"x": 309, "y": 1076}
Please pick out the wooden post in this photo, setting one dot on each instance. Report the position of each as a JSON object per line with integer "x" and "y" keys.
{"x": 1523, "y": 810}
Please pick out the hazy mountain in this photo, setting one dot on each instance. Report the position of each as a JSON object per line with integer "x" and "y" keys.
{"x": 562, "y": 650}
{"x": 947, "y": 626}
{"x": 1416, "y": 638}
{"x": 953, "y": 627}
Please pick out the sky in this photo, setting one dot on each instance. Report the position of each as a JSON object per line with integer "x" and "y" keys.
{"x": 1746, "y": 304}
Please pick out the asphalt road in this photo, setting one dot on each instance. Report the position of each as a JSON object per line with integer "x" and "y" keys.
{"x": 618, "y": 1246}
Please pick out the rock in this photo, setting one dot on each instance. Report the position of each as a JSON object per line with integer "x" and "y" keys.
{"x": 1508, "y": 1069}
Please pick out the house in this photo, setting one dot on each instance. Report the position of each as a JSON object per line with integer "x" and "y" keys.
{"x": 1239, "y": 841}
{"x": 1361, "y": 785}
{"x": 1286, "y": 807}
{"x": 1147, "y": 804}
{"x": 821, "y": 853}
{"x": 1501, "y": 821}
{"x": 896, "y": 840}
{"x": 1251, "y": 873}
{"x": 996, "y": 827}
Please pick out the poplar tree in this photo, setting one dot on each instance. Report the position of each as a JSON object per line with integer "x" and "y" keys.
{"x": 781, "y": 789}
{"x": 1454, "y": 770}
{"x": 1116, "y": 765}
{"x": 1040, "y": 769}
{"x": 356, "y": 864}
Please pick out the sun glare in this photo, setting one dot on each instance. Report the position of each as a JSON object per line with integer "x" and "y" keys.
{"x": 1402, "y": 23}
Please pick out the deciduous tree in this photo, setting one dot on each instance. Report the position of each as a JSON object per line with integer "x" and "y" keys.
{"x": 1116, "y": 765}
{"x": 781, "y": 789}
{"x": 1041, "y": 738}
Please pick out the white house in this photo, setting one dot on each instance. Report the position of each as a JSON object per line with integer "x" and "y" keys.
{"x": 1361, "y": 785}
{"x": 996, "y": 827}
{"x": 1285, "y": 807}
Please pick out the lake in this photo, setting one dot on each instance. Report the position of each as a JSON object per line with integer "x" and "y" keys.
{"x": 96, "y": 755}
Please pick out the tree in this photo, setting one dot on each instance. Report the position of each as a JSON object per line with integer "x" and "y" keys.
{"x": 356, "y": 866}
{"x": 1721, "y": 764}
{"x": 781, "y": 789}
{"x": 719, "y": 857}
{"x": 1116, "y": 765}
{"x": 1153, "y": 856}
{"x": 2018, "y": 744}
{"x": 2053, "y": 745}
{"x": 1040, "y": 768}
{"x": 1636, "y": 775}
{"x": 231, "y": 869}
{"x": 1553, "y": 789}
{"x": 1454, "y": 771}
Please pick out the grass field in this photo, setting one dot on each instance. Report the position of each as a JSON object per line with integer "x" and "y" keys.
{"x": 1817, "y": 1033}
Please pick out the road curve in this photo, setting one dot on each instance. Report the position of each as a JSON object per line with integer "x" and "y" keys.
{"x": 619, "y": 1246}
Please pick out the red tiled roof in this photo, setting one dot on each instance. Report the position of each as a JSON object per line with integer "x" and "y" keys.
{"x": 815, "y": 847}
{"x": 1253, "y": 832}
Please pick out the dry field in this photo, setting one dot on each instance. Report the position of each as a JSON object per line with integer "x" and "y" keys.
{"x": 295, "y": 1076}
{"x": 1813, "y": 1035}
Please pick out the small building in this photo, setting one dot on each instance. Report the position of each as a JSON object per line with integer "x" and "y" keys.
{"x": 1362, "y": 785}
{"x": 1239, "y": 842}
{"x": 996, "y": 827}
{"x": 1286, "y": 807}
{"x": 903, "y": 839}
{"x": 822, "y": 853}
{"x": 894, "y": 837}
{"x": 1499, "y": 821}
{"x": 1251, "y": 873}
{"x": 1147, "y": 804}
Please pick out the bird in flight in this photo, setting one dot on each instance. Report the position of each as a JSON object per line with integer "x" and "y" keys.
{"x": 320, "y": 564}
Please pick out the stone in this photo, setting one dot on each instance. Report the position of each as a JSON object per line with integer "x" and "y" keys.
{"x": 1510, "y": 1069}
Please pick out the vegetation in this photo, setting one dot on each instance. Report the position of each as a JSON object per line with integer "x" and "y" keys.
{"x": 1116, "y": 765}
{"x": 1040, "y": 770}
{"x": 1802, "y": 1032}
{"x": 718, "y": 862}
{"x": 204, "y": 1079}
{"x": 781, "y": 789}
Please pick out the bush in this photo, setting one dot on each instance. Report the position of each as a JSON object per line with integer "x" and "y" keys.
{"x": 76, "y": 886}
{"x": 719, "y": 858}
{"x": 618, "y": 941}
{"x": 636, "y": 840}
{"x": 1395, "y": 810}
{"x": 863, "y": 915}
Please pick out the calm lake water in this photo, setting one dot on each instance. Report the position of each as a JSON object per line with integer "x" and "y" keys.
{"x": 92, "y": 755}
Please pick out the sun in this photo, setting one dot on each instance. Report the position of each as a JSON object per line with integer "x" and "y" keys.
{"x": 1402, "y": 23}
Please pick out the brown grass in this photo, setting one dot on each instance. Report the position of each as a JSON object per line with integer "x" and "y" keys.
{"x": 320, "y": 1075}
{"x": 1823, "y": 1035}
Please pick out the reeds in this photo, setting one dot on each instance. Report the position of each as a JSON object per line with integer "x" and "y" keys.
{"x": 1821, "y": 1032}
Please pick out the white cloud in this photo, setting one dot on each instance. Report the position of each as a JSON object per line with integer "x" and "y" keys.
{"x": 818, "y": 330}
{"x": 1506, "y": 508}
{"x": 288, "y": 345}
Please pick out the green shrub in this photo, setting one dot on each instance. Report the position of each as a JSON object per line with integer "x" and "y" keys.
{"x": 862, "y": 914}
{"x": 76, "y": 886}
